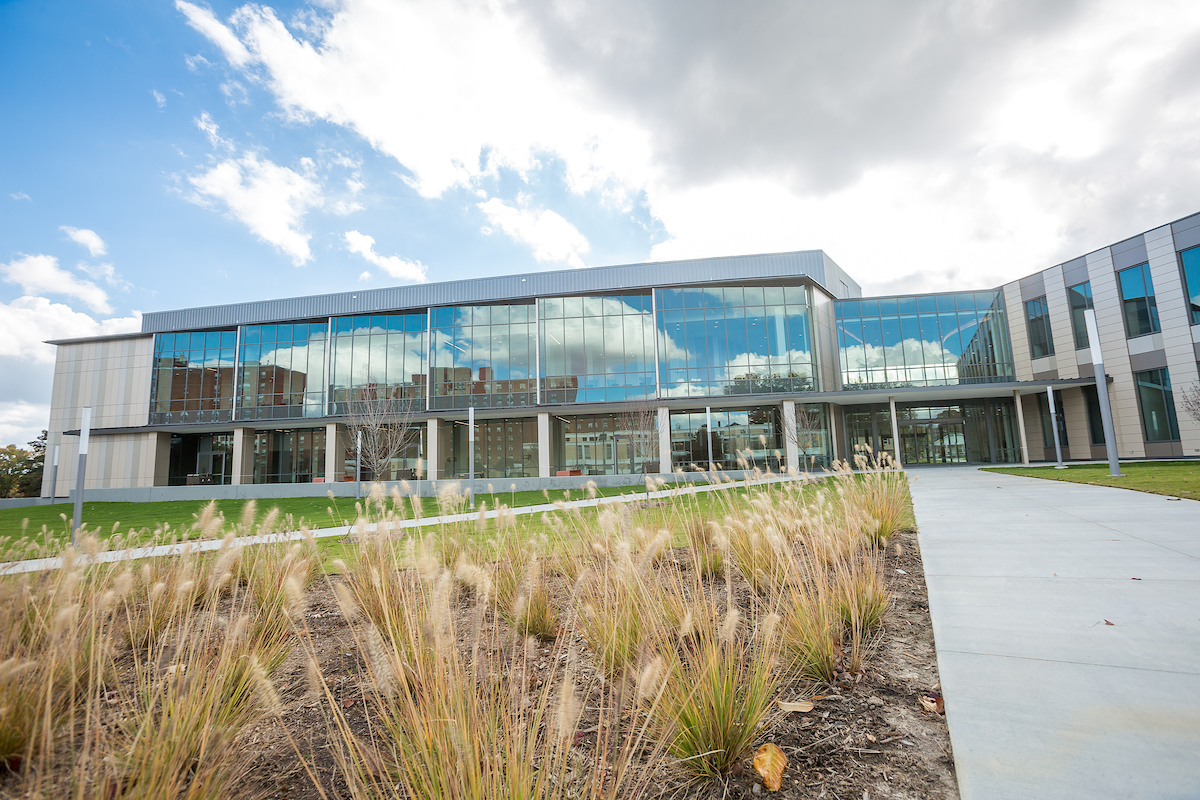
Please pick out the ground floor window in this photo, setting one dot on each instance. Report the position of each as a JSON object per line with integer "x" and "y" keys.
{"x": 504, "y": 448}
{"x": 1091, "y": 400}
{"x": 976, "y": 431}
{"x": 201, "y": 459}
{"x": 739, "y": 439}
{"x": 1060, "y": 419}
{"x": 605, "y": 444}
{"x": 1157, "y": 403}
{"x": 289, "y": 456}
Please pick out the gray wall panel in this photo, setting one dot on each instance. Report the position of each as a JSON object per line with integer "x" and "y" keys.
{"x": 1129, "y": 252}
{"x": 1075, "y": 271}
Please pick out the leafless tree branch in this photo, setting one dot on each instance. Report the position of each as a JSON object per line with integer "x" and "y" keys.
{"x": 386, "y": 425}
{"x": 1191, "y": 401}
{"x": 641, "y": 421}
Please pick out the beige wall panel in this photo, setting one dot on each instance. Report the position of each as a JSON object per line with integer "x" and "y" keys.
{"x": 1033, "y": 427}
{"x": 1018, "y": 330}
{"x": 1176, "y": 328}
{"x": 1111, "y": 325}
{"x": 1060, "y": 323}
{"x": 1075, "y": 412}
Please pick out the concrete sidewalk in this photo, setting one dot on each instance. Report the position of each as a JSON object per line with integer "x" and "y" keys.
{"x": 1044, "y": 698}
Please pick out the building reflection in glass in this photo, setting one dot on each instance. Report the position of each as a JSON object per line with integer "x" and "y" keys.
{"x": 383, "y": 352}
{"x": 193, "y": 377}
{"x": 282, "y": 371}
{"x": 741, "y": 439}
{"x": 735, "y": 340}
{"x": 931, "y": 340}
{"x": 483, "y": 356}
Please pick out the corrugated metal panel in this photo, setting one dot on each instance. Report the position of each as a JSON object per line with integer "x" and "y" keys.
{"x": 813, "y": 264}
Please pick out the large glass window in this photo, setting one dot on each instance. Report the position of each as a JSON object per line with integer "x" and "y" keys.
{"x": 483, "y": 356}
{"x": 1080, "y": 299}
{"x": 383, "y": 355}
{"x": 193, "y": 377}
{"x": 605, "y": 444}
{"x": 504, "y": 448}
{"x": 1157, "y": 403}
{"x": 1137, "y": 301}
{"x": 1060, "y": 419}
{"x": 735, "y": 340}
{"x": 1190, "y": 261}
{"x": 1037, "y": 317}
{"x": 742, "y": 439}
{"x": 930, "y": 340}
{"x": 289, "y": 456}
{"x": 201, "y": 459}
{"x": 597, "y": 348}
{"x": 283, "y": 371}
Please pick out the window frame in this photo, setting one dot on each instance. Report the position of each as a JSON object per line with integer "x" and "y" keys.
{"x": 1188, "y": 293}
{"x": 1168, "y": 399}
{"x": 1041, "y": 321}
{"x": 1148, "y": 297}
{"x": 1079, "y": 324}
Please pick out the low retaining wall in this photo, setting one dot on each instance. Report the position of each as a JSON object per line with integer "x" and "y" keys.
{"x": 275, "y": 491}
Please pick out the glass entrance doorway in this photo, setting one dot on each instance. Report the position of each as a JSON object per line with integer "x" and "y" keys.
{"x": 932, "y": 442}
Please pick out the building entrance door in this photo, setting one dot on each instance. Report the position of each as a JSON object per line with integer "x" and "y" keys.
{"x": 933, "y": 442}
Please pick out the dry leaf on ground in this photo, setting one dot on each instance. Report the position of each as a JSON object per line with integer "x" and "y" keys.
{"x": 803, "y": 706}
{"x": 770, "y": 761}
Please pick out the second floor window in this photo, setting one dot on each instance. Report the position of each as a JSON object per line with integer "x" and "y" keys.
{"x": 1037, "y": 314}
{"x": 1080, "y": 299}
{"x": 1137, "y": 301}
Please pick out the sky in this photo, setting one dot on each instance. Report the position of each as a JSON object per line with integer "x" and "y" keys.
{"x": 170, "y": 154}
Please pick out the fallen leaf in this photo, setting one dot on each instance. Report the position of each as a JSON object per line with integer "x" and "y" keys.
{"x": 1106, "y": 622}
{"x": 871, "y": 738}
{"x": 803, "y": 706}
{"x": 347, "y": 702}
{"x": 929, "y": 704}
{"x": 770, "y": 761}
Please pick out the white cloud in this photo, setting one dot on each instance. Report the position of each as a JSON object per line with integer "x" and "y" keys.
{"x": 87, "y": 238}
{"x": 158, "y": 97}
{"x": 105, "y": 272}
{"x": 20, "y": 196}
{"x": 194, "y": 63}
{"x": 211, "y": 130}
{"x": 551, "y": 237}
{"x": 365, "y": 275}
{"x": 27, "y": 322}
{"x": 22, "y": 422}
{"x": 393, "y": 265}
{"x": 269, "y": 199}
{"x": 235, "y": 93}
{"x": 40, "y": 274}
{"x": 203, "y": 21}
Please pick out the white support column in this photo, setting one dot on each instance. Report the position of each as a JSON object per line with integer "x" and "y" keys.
{"x": 333, "y": 453}
{"x": 895, "y": 433}
{"x": 1021, "y": 427}
{"x": 664, "y": 440}
{"x": 834, "y": 427}
{"x": 1054, "y": 427}
{"x": 243, "y": 456}
{"x": 790, "y": 439}
{"x": 543, "y": 444}
{"x": 432, "y": 455}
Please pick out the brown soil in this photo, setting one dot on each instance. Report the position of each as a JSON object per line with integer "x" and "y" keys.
{"x": 868, "y": 738}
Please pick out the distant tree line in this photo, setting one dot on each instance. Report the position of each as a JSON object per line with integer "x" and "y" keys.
{"x": 21, "y": 469}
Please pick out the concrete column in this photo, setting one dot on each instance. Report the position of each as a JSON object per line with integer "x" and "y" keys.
{"x": 243, "y": 456}
{"x": 791, "y": 443}
{"x": 543, "y": 444}
{"x": 333, "y": 453}
{"x": 664, "y": 440}
{"x": 1021, "y": 427}
{"x": 432, "y": 456}
{"x": 895, "y": 432}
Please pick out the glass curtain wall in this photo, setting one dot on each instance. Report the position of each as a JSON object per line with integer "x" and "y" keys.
{"x": 742, "y": 439}
{"x": 382, "y": 355}
{"x": 735, "y": 340}
{"x": 282, "y": 371}
{"x": 289, "y": 456}
{"x": 931, "y": 340}
{"x": 603, "y": 444}
{"x": 1091, "y": 399}
{"x": 1080, "y": 299}
{"x": 597, "y": 349}
{"x": 981, "y": 431}
{"x": 812, "y": 436}
{"x": 483, "y": 356}
{"x": 193, "y": 377}
{"x": 1137, "y": 301}
{"x": 504, "y": 448}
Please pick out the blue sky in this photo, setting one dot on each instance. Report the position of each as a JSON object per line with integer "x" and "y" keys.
{"x": 157, "y": 155}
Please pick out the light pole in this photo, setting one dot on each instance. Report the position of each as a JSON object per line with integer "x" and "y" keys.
{"x": 85, "y": 426}
{"x": 54, "y": 476}
{"x": 1054, "y": 427}
{"x": 471, "y": 453}
{"x": 1110, "y": 433}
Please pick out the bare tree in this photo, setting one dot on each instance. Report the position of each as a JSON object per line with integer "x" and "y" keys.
{"x": 641, "y": 423}
{"x": 1191, "y": 401}
{"x": 385, "y": 424}
{"x": 807, "y": 433}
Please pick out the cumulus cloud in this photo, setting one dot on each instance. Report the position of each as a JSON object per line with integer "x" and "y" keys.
{"x": 551, "y": 237}
{"x": 27, "y": 322}
{"x": 975, "y": 141}
{"x": 212, "y": 131}
{"x": 393, "y": 265}
{"x": 104, "y": 272}
{"x": 269, "y": 199}
{"x": 87, "y": 238}
{"x": 21, "y": 422}
{"x": 40, "y": 274}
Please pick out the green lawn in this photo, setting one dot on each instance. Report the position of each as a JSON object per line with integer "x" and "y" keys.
{"x": 1172, "y": 478}
{"x": 181, "y": 515}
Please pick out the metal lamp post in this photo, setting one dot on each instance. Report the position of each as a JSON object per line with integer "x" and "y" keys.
{"x": 85, "y": 427}
{"x": 1110, "y": 433}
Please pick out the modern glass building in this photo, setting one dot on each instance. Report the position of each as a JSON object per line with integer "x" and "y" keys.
{"x": 769, "y": 361}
